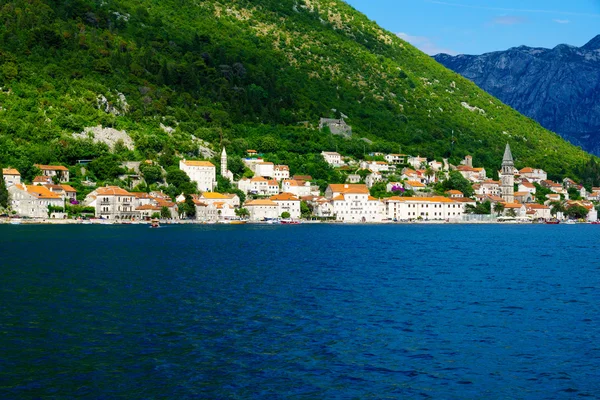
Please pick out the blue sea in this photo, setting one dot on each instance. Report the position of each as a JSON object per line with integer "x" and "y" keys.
{"x": 304, "y": 311}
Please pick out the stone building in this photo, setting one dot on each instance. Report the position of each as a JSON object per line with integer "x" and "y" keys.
{"x": 507, "y": 178}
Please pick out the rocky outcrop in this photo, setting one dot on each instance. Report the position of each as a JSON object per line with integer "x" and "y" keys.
{"x": 559, "y": 87}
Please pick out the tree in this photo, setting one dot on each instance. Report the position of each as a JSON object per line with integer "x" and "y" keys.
{"x": 285, "y": 215}
{"x": 511, "y": 212}
{"x": 305, "y": 210}
{"x": 4, "y": 200}
{"x": 155, "y": 215}
{"x": 456, "y": 181}
{"x": 189, "y": 207}
{"x": 151, "y": 173}
{"x": 498, "y": 208}
{"x": 577, "y": 211}
{"x": 242, "y": 212}
{"x": 165, "y": 212}
{"x": 556, "y": 207}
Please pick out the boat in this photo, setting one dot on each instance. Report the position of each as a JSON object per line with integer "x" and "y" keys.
{"x": 238, "y": 222}
{"x": 552, "y": 222}
{"x": 154, "y": 223}
{"x": 289, "y": 221}
{"x": 15, "y": 221}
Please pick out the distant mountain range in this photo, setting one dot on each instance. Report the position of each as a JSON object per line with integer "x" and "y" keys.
{"x": 559, "y": 87}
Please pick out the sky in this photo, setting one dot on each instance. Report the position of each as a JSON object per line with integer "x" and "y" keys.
{"x": 482, "y": 26}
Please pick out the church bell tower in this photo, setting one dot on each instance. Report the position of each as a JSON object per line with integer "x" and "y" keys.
{"x": 507, "y": 178}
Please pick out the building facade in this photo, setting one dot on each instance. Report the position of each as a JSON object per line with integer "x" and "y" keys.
{"x": 203, "y": 173}
{"x": 507, "y": 178}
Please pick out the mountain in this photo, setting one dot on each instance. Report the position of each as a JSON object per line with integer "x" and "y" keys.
{"x": 170, "y": 78}
{"x": 559, "y": 87}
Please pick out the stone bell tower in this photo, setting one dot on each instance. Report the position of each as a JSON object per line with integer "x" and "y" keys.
{"x": 507, "y": 178}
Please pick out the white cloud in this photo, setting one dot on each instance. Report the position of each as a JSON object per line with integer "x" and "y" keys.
{"x": 425, "y": 44}
{"x": 562, "y": 21}
{"x": 508, "y": 20}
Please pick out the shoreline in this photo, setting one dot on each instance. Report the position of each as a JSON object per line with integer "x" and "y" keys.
{"x": 192, "y": 222}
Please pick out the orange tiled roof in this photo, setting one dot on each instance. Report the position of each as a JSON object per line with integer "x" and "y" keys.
{"x": 51, "y": 167}
{"x": 42, "y": 192}
{"x": 112, "y": 191}
{"x": 148, "y": 207}
{"x": 262, "y": 202}
{"x": 10, "y": 171}
{"x": 349, "y": 188}
{"x": 42, "y": 178}
{"x": 212, "y": 196}
{"x": 415, "y": 184}
{"x": 68, "y": 188}
{"x": 198, "y": 163}
{"x": 285, "y": 196}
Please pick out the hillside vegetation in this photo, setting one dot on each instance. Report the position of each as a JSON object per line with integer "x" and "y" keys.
{"x": 245, "y": 74}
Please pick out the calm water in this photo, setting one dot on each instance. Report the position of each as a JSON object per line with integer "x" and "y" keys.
{"x": 300, "y": 311}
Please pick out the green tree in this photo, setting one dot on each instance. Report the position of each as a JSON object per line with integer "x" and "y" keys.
{"x": 242, "y": 212}
{"x": 165, "y": 212}
{"x": 557, "y": 207}
{"x": 285, "y": 215}
{"x": 498, "y": 208}
{"x": 189, "y": 206}
{"x": 4, "y": 196}
{"x": 574, "y": 194}
{"x": 577, "y": 212}
{"x": 305, "y": 210}
{"x": 151, "y": 173}
{"x": 455, "y": 181}
{"x": 106, "y": 167}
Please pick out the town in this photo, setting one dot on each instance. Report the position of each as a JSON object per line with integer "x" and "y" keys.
{"x": 380, "y": 188}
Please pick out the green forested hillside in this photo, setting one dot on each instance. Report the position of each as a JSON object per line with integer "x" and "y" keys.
{"x": 247, "y": 74}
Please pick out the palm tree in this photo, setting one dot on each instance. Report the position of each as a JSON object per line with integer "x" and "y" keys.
{"x": 557, "y": 207}
{"x": 499, "y": 208}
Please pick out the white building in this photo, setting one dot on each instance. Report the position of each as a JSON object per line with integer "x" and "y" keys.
{"x": 489, "y": 187}
{"x": 417, "y": 162}
{"x": 332, "y": 158}
{"x": 206, "y": 212}
{"x": 33, "y": 201}
{"x": 533, "y": 174}
{"x": 264, "y": 169}
{"x": 373, "y": 178}
{"x": 526, "y": 186}
{"x": 395, "y": 158}
{"x": 287, "y": 202}
{"x": 261, "y": 210}
{"x": 376, "y": 166}
{"x": 259, "y": 186}
{"x": 281, "y": 172}
{"x": 112, "y": 202}
{"x": 11, "y": 176}
{"x": 203, "y": 173}
{"x": 294, "y": 187}
{"x": 539, "y": 211}
{"x": 424, "y": 208}
{"x": 352, "y": 203}
{"x": 55, "y": 170}
{"x": 225, "y": 172}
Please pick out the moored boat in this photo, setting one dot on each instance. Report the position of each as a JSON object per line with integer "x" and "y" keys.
{"x": 154, "y": 223}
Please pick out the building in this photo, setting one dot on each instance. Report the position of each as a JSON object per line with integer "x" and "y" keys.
{"x": 538, "y": 211}
{"x": 423, "y": 208}
{"x": 332, "y": 158}
{"x": 533, "y": 174}
{"x": 206, "y": 212}
{"x": 281, "y": 172}
{"x": 373, "y": 178}
{"x": 415, "y": 186}
{"x": 263, "y": 209}
{"x": 287, "y": 202}
{"x": 203, "y": 173}
{"x": 264, "y": 169}
{"x": 507, "y": 178}
{"x": 294, "y": 187}
{"x": 395, "y": 158}
{"x": 489, "y": 187}
{"x": 352, "y": 203}
{"x": 259, "y": 186}
{"x": 11, "y": 176}
{"x": 33, "y": 201}
{"x": 225, "y": 173}
{"x": 526, "y": 186}
{"x": 112, "y": 202}
{"x": 417, "y": 162}
{"x": 55, "y": 170}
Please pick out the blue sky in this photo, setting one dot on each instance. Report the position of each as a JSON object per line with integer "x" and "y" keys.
{"x": 478, "y": 26}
